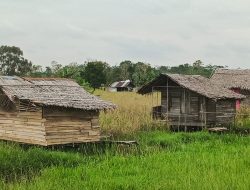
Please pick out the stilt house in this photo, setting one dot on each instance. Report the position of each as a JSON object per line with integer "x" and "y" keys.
{"x": 48, "y": 111}
{"x": 237, "y": 80}
{"x": 192, "y": 100}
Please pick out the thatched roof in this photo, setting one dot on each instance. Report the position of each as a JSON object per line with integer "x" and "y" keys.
{"x": 232, "y": 78}
{"x": 52, "y": 92}
{"x": 195, "y": 83}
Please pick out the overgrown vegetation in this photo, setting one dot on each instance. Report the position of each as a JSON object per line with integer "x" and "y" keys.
{"x": 133, "y": 114}
{"x": 243, "y": 118}
{"x": 163, "y": 160}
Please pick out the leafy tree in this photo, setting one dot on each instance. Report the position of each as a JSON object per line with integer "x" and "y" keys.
{"x": 12, "y": 61}
{"x": 112, "y": 74}
{"x": 126, "y": 70}
{"x": 143, "y": 73}
{"x": 197, "y": 68}
{"x": 48, "y": 72}
{"x": 70, "y": 71}
{"x": 37, "y": 71}
{"x": 55, "y": 67}
{"x": 95, "y": 73}
{"x": 163, "y": 69}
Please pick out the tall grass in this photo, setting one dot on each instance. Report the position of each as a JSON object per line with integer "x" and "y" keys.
{"x": 132, "y": 115}
{"x": 243, "y": 118}
{"x": 163, "y": 161}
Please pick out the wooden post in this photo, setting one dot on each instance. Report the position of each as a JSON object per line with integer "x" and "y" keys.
{"x": 152, "y": 102}
{"x": 205, "y": 120}
{"x": 179, "y": 122}
{"x": 167, "y": 100}
{"x": 234, "y": 120}
{"x": 205, "y": 112}
{"x": 185, "y": 111}
{"x": 157, "y": 98}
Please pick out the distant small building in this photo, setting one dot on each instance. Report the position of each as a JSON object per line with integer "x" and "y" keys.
{"x": 48, "y": 111}
{"x": 192, "y": 100}
{"x": 121, "y": 86}
{"x": 237, "y": 80}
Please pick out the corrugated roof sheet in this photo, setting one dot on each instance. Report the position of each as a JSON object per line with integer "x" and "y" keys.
{"x": 118, "y": 84}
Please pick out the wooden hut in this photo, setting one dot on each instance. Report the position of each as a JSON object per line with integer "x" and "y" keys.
{"x": 48, "y": 111}
{"x": 192, "y": 100}
{"x": 237, "y": 80}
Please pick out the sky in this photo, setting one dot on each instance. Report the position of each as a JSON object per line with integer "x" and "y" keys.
{"x": 159, "y": 32}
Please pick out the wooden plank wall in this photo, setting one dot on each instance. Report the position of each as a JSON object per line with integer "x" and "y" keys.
{"x": 211, "y": 111}
{"x": 246, "y": 102}
{"x": 71, "y": 126}
{"x": 225, "y": 111}
{"x": 183, "y": 107}
{"x": 190, "y": 107}
{"x": 25, "y": 127}
{"x": 164, "y": 101}
{"x": 31, "y": 124}
{"x": 174, "y": 103}
{"x": 186, "y": 111}
{"x": 193, "y": 106}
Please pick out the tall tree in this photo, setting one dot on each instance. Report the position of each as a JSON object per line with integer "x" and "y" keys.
{"x": 95, "y": 73}
{"x": 37, "y": 71}
{"x": 126, "y": 70}
{"x": 55, "y": 67}
{"x": 143, "y": 73}
{"x": 12, "y": 61}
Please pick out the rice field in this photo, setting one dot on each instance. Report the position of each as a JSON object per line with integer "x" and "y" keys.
{"x": 163, "y": 160}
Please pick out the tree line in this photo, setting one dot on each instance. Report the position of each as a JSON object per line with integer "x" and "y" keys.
{"x": 94, "y": 74}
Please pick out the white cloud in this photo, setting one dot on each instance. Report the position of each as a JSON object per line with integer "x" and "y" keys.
{"x": 166, "y": 32}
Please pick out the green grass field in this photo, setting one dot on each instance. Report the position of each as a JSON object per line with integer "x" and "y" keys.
{"x": 163, "y": 160}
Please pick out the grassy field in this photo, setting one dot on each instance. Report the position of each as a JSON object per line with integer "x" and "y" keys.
{"x": 163, "y": 160}
{"x": 132, "y": 115}
{"x": 243, "y": 118}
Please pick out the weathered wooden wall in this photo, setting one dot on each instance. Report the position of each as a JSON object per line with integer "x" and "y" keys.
{"x": 26, "y": 123}
{"x": 19, "y": 124}
{"x": 210, "y": 111}
{"x": 225, "y": 111}
{"x": 246, "y": 102}
{"x": 70, "y": 126}
{"x": 181, "y": 105}
{"x": 184, "y": 107}
{"x": 25, "y": 127}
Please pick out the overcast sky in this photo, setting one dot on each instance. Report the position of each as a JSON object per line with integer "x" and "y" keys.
{"x": 159, "y": 32}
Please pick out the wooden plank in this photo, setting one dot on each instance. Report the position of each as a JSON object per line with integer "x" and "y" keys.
{"x": 26, "y": 133}
{"x": 71, "y": 142}
{"x": 95, "y": 121}
{"x": 26, "y": 123}
{"x": 94, "y": 133}
{"x": 69, "y": 123}
{"x": 59, "y": 128}
{"x": 6, "y": 122}
{"x": 21, "y": 127}
{"x": 68, "y": 136}
{"x": 22, "y": 140}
